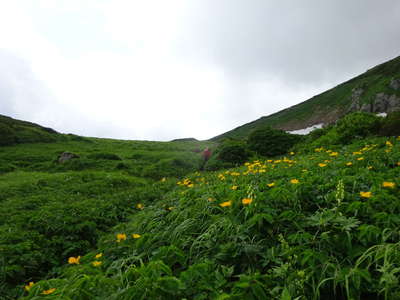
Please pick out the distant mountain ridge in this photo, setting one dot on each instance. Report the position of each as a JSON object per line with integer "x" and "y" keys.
{"x": 377, "y": 90}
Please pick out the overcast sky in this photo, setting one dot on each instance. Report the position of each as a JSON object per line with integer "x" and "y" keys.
{"x": 159, "y": 70}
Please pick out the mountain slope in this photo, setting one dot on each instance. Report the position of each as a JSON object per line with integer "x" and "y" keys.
{"x": 377, "y": 90}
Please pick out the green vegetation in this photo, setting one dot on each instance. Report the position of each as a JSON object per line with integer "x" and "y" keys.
{"x": 115, "y": 224}
{"x": 271, "y": 142}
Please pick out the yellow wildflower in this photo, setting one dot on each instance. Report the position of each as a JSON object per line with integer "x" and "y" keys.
{"x": 136, "y": 236}
{"x": 291, "y": 153}
{"x": 388, "y": 184}
{"x": 99, "y": 255}
{"x": 360, "y": 158}
{"x": 29, "y": 286}
{"x": 349, "y": 164}
{"x": 334, "y": 154}
{"x": 366, "y": 194}
{"x": 388, "y": 143}
{"x": 370, "y": 168}
{"x": 234, "y": 187}
{"x": 163, "y": 179}
{"x": 210, "y": 199}
{"x": 190, "y": 185}
{"x": 74, "y": 260}
{"x": 357, "y": 153}
{"x": 48, "y": 292}
{"x": 271, "y": 184}
{"x": 294, "y": 181}
{"x": 121, "y": 237}
{"x": 225, "y": 204}
{"x": 247, "y": 201}
{"x": 139, "y": 206}
{"x": 322, "y": 165}
{"x": 96, "y": 263}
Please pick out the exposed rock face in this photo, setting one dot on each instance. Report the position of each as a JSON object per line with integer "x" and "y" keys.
{"x": 386, "y": 103}
{"x": 395, "y": 84}
{"x": 66, "y": 156}
{"x": 382, "y": 102}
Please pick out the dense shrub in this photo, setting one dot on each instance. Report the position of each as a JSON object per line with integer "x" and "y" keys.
{"x": 271, "y": 142}
{"x": 391, "y": 124}
{"x": 7, "y": 135}
{"x": 233, "y": 152}
{"x": 357, "y": 125}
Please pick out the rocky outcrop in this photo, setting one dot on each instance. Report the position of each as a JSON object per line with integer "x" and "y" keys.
{"x": 382, "y": 102}
{"x": 66, "y": 156}
{"x": 395, "y": 84}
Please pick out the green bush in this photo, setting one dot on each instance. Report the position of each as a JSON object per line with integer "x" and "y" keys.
{"x": 357, "y": 125}
{"x": 7, "y": 135}
{"x": 171, "y": 167}
{"x": 234, "y": 152}
{"x": 271, "y": 142}
{"x": 391, "y": 124}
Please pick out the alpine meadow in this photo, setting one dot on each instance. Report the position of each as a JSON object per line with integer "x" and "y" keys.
{"x": 270, "y": 214}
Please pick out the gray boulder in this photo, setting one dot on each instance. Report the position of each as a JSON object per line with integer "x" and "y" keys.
{"x": 66, "y": 156}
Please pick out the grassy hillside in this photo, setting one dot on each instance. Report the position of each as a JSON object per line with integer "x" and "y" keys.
{"x": 322, "y": 225}
{"x": 328, "y": 106}
{"x": 50, "y": 210}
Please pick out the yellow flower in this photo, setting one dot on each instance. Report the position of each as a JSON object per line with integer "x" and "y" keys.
{"x": 74, "y": 260}
{"x": 291, "y": 153}
{"x": 349, "y": 164}
{"x": 388, "y": 143}
{"x": 304, "y": 170}
{"x": 246, "y": 201}
{"x": 334, "y": 154}
{"x": 398, "y": 163}
{"x": 170, "y": 208}
{"x": 294, "y": 181}
{"x": 210, "y": 199}
{"x": 388, "y": 184}
{"x": 96, "y": 263}
{"x": 190, "y": 185}
{"x": 163, "y": 179}
{"x": 234, "y": 187}
{"x": 366, "y": 194}
{"x": 48, "y": 292}
{"x": 357, "y": 153}
{"x": 136, "y": 236}
{"x": 322, "y": 165}
{"x": 360, "y": 158}
{"x": 225, "y": 204}
{"x": 121, "y": 237}
{"x": 139, "y": 206}
{"x": 28, "y": 286}
{"x": 271, "y": 184}
{"x": 99, "y": 255}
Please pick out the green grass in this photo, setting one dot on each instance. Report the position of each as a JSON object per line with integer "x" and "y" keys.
{"x": 317, "y": 239}
{"x": 50, "y": 211}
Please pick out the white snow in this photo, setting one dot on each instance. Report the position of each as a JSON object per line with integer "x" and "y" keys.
{"x": 306, "y": 130}
{"x": 382, "y": 114}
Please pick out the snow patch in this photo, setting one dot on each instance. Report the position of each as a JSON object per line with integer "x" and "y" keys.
{"x": 306, "y": 130}
{"x": 382, "y": 114}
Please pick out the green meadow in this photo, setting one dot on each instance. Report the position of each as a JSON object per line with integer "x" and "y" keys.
{"x": 143, "y": 220}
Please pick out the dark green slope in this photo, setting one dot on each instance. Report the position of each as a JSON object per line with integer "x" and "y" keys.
{"x": 363, "y": 92}
{"x": 14, "y": 131}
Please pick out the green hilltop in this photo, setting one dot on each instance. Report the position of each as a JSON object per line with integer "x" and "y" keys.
{"x": 363, "y": 93}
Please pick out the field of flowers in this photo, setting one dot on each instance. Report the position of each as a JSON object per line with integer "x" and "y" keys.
{"x": 49, "y": 211}
{"x": 323, "y": 224}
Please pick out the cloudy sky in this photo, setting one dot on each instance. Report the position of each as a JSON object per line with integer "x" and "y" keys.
{"x": 159, "y": 70}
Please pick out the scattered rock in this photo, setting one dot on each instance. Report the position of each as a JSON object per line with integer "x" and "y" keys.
{"x": 395, "y": 84}
{"x": 66, "y": 156}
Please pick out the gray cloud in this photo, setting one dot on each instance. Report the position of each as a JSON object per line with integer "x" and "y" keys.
{"x": 305, "y": 42}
